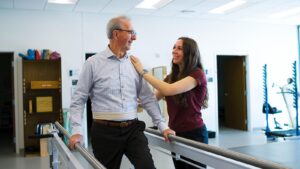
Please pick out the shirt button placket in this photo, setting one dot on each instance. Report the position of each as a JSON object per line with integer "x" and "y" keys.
{"x": 121, "y": 84}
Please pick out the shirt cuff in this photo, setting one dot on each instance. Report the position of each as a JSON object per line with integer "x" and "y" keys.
{"x": 76, "y": 130}
{"x": 162, "y": 126}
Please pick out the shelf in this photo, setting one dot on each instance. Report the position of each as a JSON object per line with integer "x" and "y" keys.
{"x": 42, "y": 100}
{"x": 44, "y": 85}
{"x": 40, "y": 136}
{"x": 43, "y": 113}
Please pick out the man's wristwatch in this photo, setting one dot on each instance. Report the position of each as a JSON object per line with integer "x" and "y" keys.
{"x": 144, "y": 72}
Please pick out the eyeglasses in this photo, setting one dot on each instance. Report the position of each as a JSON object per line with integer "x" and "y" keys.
{"x": 131, "y": 32}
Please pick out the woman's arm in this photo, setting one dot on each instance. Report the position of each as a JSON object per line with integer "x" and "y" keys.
{"x": 167, "y": 89}
{"x": 164, "y": 88}
{"x": 158, "y": 95}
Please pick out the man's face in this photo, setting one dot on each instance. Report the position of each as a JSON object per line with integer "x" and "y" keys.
{"x": 126, "y": 35}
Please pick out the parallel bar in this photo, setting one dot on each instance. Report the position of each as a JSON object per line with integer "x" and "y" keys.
{"x": 91, "y": 159}
{"x": 66, "y": 155}
{"x": 210, "y": 154}
{"x": 204, "y": 157}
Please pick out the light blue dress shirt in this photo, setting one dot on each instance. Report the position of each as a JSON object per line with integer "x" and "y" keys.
{"x": 113, "y": 86}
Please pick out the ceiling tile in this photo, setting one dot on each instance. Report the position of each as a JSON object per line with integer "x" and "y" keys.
{"x": 120, "y": 6}
{"x": 30, "y": 4}
{"x": 60, "y": 7}
{"x": 263, "y": 10}
{"x": 91, "y": 5}
{"x": 253, "y": 11}
{"x": 6, "y": 4}
{"x": 176, "y": 7}
{"x": 138, "y": 11}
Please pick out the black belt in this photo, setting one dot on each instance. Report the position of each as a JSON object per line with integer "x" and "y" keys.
{"x": 121, "y": 124}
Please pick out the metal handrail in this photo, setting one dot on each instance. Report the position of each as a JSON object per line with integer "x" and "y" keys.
{"x": 57, "y": 145}
{"x": 222, "y": 152}
{"x": 90, "y": 158}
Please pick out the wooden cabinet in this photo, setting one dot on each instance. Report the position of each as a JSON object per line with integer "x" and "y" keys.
{"x": 42, "y": 100}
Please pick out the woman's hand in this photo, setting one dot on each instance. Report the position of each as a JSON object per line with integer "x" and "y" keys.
{"x": 166, "y": 134}
{"x": 137, "y": 64}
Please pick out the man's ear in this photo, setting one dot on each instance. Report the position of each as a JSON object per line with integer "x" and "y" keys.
{"x": 115, "y": 34}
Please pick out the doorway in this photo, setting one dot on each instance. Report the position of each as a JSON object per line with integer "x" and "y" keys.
{"x": 232, "y": 94}
{"x": 7, "y": 111}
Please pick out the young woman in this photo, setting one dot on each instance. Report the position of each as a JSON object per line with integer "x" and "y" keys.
{"x": 185, "y": 91}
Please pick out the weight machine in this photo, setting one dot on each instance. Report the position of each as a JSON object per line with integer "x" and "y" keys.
{"x": 267, "y": 109}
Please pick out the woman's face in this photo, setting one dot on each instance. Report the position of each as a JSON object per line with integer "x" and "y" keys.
{"x": 178, "y": 52}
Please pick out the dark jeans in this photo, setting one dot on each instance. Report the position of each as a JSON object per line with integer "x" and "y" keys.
{"x": 111, "y": 143}
{"x": 199, "y": 134}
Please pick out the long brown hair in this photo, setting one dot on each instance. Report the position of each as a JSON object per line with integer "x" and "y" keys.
{"x": 191, "y": 62}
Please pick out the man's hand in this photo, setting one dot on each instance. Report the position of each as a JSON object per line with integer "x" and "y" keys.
{"x": 166, "y": 134}
{"x": 76, "y": 138}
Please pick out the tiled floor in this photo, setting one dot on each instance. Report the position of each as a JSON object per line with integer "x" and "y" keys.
{"x": 226, "y": 139}
{"x": 10, "y": 160}
{"x": 229, "y": 138}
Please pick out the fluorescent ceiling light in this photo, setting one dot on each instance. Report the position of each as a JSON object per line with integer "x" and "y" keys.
{"x": 153, "y": 4}
{"x": 231, "y": 5}
{"x": 286, "y": 13}
{"x": 62, "y": 1}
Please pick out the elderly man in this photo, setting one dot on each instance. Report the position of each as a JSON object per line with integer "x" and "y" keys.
{"x": 114, "y": 86}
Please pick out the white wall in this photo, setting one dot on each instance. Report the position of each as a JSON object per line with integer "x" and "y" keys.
{"x": 74, "y": 34}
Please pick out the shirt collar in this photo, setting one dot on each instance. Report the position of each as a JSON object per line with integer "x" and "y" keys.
{"x": 111, "y": 55}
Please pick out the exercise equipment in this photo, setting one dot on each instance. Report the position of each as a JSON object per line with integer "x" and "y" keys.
{"x": 272, "y": 110}
{"x": 266, "y": 101}
{"x": 267, "y": 109}
{"x": 286, "y": 89}
{"x": 212, "y": 156}
{"x": 295, "y": 96}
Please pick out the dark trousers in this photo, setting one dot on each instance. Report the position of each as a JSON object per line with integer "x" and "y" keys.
{"x": 111, "y": 143}
{"x": 199, "y": 134}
